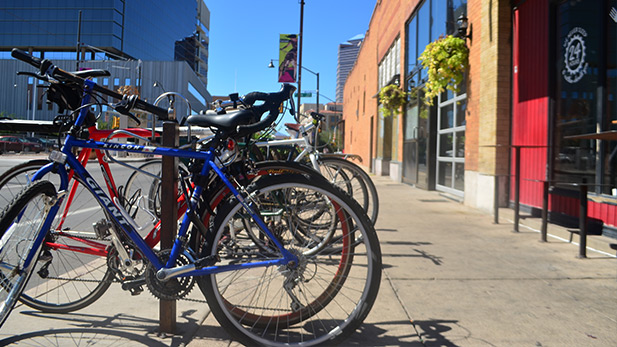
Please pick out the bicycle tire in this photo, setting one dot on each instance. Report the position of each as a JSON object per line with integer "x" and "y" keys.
{"x": 20, "y": 225}
{"x": 15, "y": 179}
{"x": 71, "y": 280}
{"x": 334, "y": 290}
{"x": 49, "y": 291}
{"x": 368, "y": 197}
{"x": 277, "y": 167}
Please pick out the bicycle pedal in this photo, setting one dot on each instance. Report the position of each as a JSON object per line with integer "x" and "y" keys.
{"x": 136, "y": 290}
{"x": 134, "y": 286}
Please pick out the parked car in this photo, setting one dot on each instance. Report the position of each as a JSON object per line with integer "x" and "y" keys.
{"x": 47, "y": 144}
{"x": 18, "y": 144}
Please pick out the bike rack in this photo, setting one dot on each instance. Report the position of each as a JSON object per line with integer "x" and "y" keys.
{"x": 169, "y": 212}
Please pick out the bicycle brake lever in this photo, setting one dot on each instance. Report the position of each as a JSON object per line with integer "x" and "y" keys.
{"x": 33, "y": 74}
{"x": 125, "y": 105}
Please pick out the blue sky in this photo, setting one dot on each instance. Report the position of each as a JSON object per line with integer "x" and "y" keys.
{"x": 244, "y": 36}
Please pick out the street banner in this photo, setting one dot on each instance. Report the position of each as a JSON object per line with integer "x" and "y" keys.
{"x": 288, "y": 53}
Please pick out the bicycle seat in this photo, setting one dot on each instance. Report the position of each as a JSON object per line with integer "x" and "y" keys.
{"x": 293, "y": 126}
{"x": 225, "y": 122}
{"x": 92, "y": 73}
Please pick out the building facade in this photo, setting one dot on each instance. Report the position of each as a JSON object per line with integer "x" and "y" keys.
{"x": 347, "y": 53}
{"x": 541, "y": 73}
{"x": 131, "y": 39}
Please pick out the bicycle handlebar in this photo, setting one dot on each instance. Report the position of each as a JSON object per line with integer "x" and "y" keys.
{"x": 272, "y": 102}
{"x": 46, "y": 67}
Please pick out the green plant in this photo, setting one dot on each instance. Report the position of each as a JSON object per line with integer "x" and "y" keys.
{"x": 392, "y": 98}
{"x": 446, "y": 60}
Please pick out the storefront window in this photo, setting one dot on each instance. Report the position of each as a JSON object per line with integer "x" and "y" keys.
{"x": 432, "y": 20}
{"x": 585, "y": 88}
{"x": 610, "y": 153}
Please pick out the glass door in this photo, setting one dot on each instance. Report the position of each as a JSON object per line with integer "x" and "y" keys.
{"x": 451, "y": 142}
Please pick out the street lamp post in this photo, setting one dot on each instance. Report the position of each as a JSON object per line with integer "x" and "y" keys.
{"x": 271, "y": 65}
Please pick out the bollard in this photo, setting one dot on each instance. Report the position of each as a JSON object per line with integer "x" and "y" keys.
{"x": 543, "y": 231}
{"x": 169, "y": 217}
{"x": 517, "y": 186}
{"x": 496, "y": 201}
{"x": 582, "y": 247}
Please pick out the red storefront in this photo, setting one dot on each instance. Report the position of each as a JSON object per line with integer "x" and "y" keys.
{"x": 564, "y": 84}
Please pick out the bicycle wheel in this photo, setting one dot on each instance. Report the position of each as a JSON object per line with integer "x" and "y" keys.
{"x": 68, "y": 280}
{"x": 308, "y": 212}
{"x": 355, "y": 181}
{"x": 73, "y": 270}
{"x": 321, "y": 300}
{"x": 20, "y": 224}
{"x": 15, "y": 179}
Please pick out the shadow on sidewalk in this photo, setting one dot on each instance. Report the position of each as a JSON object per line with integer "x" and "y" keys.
{"x": 81, "y": 337}
{"x": 91, "y": 329}
{"x": 385, "y": 334}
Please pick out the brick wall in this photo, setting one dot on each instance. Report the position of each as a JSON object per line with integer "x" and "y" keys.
{"x": 360, "y": 107}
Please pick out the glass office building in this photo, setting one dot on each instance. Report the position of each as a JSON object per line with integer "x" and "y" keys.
{"x": 115, "y": 30}
{"x": 146, "y": 30}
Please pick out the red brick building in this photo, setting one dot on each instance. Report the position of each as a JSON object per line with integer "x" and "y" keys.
{"x": 539, "y": 73}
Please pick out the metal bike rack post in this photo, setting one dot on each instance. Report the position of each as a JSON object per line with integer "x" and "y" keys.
{"x": 545, "y": 196}
{"x": 169, "y": 214}
{"x": 517, "y": 187}
{"x": 582, "y": 249}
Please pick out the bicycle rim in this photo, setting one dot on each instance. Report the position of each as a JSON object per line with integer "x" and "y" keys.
{"x": 20, "y": 224}
{"x": 323, "y": 300}
{"x": 353, "y": 180}
{"x": 72, "y": 272}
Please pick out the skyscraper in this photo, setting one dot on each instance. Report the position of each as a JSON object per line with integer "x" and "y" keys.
{"x": 138, "y": 41}
{"x": 347, "y": 54}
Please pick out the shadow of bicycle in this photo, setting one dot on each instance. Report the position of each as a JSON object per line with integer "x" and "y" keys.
{"x": 99, "y": 330}
{"x": 81, "y": 337}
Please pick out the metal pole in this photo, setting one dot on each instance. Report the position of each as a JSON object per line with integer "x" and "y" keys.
{"x": 582, "y": 248}
{"x": 169, "y": 216}
{"x": 517, "y": 186}
{"x": 300, "y": 39}
{"x": 78, "y": 40}
{"x": 318, "y": 110}
{"x": 496, "y": 201}
{"x": 543, "y": 231}
{"x": 317, "y": 74}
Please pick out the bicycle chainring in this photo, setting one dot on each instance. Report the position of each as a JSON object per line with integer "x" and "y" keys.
{"x": 174, "y": 288}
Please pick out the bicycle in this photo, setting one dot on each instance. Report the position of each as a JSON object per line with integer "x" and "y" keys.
{"x": 297, "y": 286}
{"x": 343, "y": 173}
{"x": 71, "y": 282}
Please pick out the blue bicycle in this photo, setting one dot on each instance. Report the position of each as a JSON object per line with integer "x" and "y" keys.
{"x": 310, "y": 279}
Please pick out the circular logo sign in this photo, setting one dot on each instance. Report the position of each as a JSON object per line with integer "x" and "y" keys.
{"x": 575, "y": 66}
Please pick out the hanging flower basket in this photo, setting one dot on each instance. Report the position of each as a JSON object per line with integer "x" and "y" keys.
{"x": 446, "y": 60}
{"x": 392, "y": 98}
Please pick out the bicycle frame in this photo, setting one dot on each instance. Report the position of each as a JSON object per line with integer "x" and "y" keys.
{"x": 302, "y": 142}
{"x": 97, "y": 248}
{"x": 64, "y": 158}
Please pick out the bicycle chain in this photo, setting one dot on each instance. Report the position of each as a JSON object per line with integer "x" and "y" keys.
{"x": 74, "y": 279}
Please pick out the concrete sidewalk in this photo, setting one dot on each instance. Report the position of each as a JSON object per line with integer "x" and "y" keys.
{"x": 451, "y": 278}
